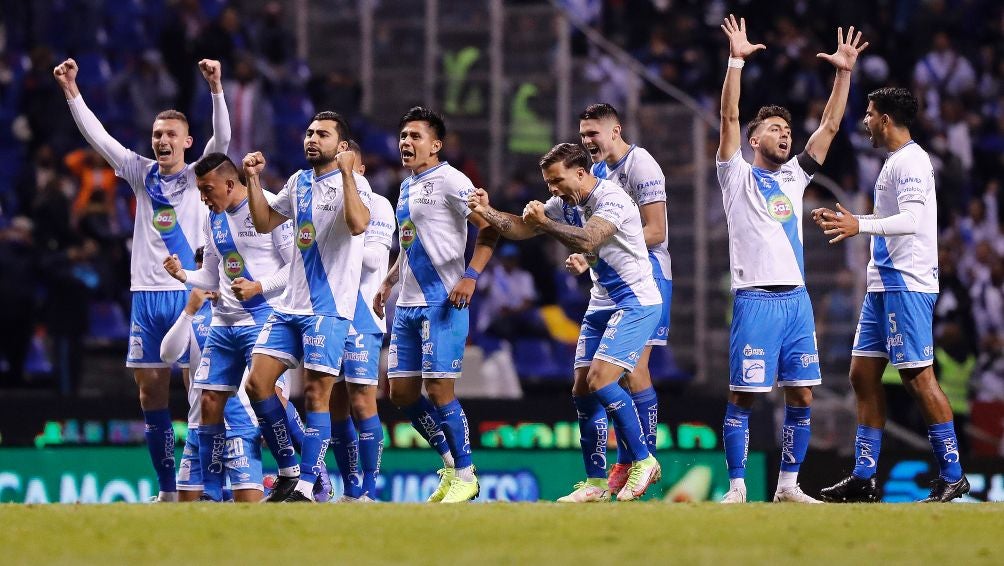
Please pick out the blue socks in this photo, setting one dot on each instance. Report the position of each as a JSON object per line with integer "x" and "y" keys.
{"x": 946, "y": 450}
{"x": 867, "y": 446}
{"x": 458, "y": 435}
{"x": 315, "y": 445}
{"x": 370, "y": 450}
{"x": 621, "y": 409}
{"x": 212, "y": 444}
{"x": 272, "y": 422}
{"x": 425, "y": 418}
{"x": 647, "y": 403}
{"x": 295, "y": 426}
{"x": 160, "y": 443}
{"x": 345, "y": 445}
{"x": 593, "y": 435}
{"x": 736, "y": 438}
{"x": 794, "y": 437}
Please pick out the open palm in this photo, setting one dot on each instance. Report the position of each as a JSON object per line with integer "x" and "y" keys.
{"x": 847, "y": 51}
{"x": 739, "y": 46}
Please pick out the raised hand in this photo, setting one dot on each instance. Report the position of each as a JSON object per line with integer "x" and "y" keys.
{"x": 66, "y": 76}
{"x": 576, "y": 264}
{"x": 254, "y": 163}
{"x": 172, "y": 264}
{"x": 212, "y": 72}
{"x": 346, "y": 161}
{"x": 533, "y": 213}
{"x": 739, "y": 46}
{"x": 841, "y": 224}
{"x": 847, "y": 51}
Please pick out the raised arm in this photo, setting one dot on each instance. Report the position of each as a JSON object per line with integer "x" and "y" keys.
{"x": 843, "y": 59}
{"x": 357, "y": 214}
{"x": 265, "y": 218}
{"x": 92, "y": 130}
{"x": 506, "y": 225}
{"x": 739, "y": 49}
{"x": 213, "y": 74}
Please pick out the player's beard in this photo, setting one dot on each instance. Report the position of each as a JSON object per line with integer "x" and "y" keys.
{"x": 321, "y": 159}
{"x": 777, "y": 156}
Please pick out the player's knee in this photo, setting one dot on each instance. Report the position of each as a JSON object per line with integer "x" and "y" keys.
{"x": 798, "y": 396}
{"x": 742, "y": 399}
{"x": 440, "y": 397}
{"x": 211, "y": 404}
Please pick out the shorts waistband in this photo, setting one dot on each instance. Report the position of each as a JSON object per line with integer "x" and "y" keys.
{"x": 752, "y": 294}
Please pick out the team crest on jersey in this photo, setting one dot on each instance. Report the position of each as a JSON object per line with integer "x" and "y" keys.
{"x": 165, "y": 219}
{"x": 305, "y": 235}
{"x": 780, "y": 207}
{"x": 427, "y": 188}
{"x": 233, "y": 265}
{"x": 248, "y": 222}
{"x": 218, "y": 223}
{"x": 622, "y": 180}
{"x": 408, "y": 234}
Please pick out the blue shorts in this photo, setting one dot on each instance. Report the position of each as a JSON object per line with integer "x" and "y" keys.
{"x": 897, "y": 325}
{"x": 773, "y": 337}
{"x": 616, "y": 335}
{"x": 428, "y": 341}
{"x": 242, "y": 459}
{"x": 190, "y": 471}
{"x": 661, "y": 334}
{"x": 153, "y": 314}
{"x": 361, "y": 362}
{"x": 318, "y": 340}
{"x": 225, "y": 356}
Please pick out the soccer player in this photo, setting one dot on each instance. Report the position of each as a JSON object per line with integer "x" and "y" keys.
{"x": 250, "y": 271}
{"x": 898, "y": 310}
{"x": 636, "y": 171}
{"x": 356, "y": 432}
{"x": 597, "y": 218}
{"x": 169, "y": 220}
{"x": 329, "y": 206}
{"x": 773, "y": 333}
{"x": 431, "y": 320}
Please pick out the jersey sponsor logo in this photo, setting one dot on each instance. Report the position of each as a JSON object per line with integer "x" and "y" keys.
{"x": 233, "y": 265}
{"x": 809, "y": 359}
{"x": 754, "y": 371}
{"x": 780, "y": 208}
{"x": 165, "y": 219}
{"x": 305, "y": 235}
{"x": 408, "y": 234}
{"x": 751, "y": 351}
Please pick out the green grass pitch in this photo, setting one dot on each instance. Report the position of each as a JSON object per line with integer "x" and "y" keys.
{"x": 498, "y": 533}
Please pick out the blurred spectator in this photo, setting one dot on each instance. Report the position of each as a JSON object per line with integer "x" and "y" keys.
{"x": 93, "y": 176}
{"x": 942, "y": 72}
{"x": 18, "y": 283}
{"x": 149, "y": 87}
{"x": 510, "y": 309}
{"x": 453, "y": 151}
{"x": 251, "y": 113}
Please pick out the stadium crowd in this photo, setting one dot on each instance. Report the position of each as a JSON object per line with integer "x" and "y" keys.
{"x": 66, "y": 219}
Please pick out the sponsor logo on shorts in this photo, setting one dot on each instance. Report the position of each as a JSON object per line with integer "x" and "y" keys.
{"x": 754, "y": 371}
{"x": 165, "y": 219}
{"x": 928, "y": 351}
{"x": 610, "y": 333}
{"x": 894, "y": 340}
{"x": 426, "y": 330}
{"x": 427, "y": 365}
{"x": 305, "y": 235}
{"x": 317, "y": 341}
{"x": 751, "y": 351}
{"x": 427, "y": 348}
{"x": 238, "y": 463}
{"x": 392, "y": 356}
{"x": 457, "y": 364}
{"x": 809, "y": 359}
{"x": 357, "y": 356}
{"x": 135, "y": 347}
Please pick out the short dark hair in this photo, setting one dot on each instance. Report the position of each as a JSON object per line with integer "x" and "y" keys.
{"x": 341, "y": 125}
{"x": 899, "y": 103}
{"x": 200, "y": 253}
{"x": 423, "y": 114}
{"x": 211, "y": 161}
{"x": 764, "y": 113}
{"x": 354, "y": 146}
{"x": 568, "y": 154}
{"x": 600, "y": 111}
{"x": 172, "y": 115}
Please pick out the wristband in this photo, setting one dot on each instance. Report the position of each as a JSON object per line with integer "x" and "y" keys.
{"x": 736, "y": 63}
{"x": 470, "y": 273}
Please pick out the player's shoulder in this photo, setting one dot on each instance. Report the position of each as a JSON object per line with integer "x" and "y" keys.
{"x": 361, "y": 182}
{"x": 911, "y": 155}
{"x": 641, "y": 157}
{"x": 454, "y": 177}
{"x": 381, "y": 205}
{"x": 609, "y": 191}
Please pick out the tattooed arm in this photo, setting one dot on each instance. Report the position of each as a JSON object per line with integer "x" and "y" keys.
{"x": 581, "y": 240}
{"x": 508, "y": 225}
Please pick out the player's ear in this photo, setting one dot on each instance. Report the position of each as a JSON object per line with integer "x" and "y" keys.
{"x": 362, "y": 169}
{"x": 617, "y": 131}
{"x": 343, "y": 146}
{"x": 436, "y": 146}
{"x": 188, "y": 142}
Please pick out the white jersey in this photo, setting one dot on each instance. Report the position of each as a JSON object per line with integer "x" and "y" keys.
{"x": 764, "y": 212}
{"x": 908, "y": 262}
{"x": 170, "y": 216}
{"x": 620, "y": 267}
{"x": 324, "y": 274}
{"x": 379, "y": 238}
{"x": 640, "y": 175}
{"x": 235, "y": 249}
{"x": 432, "y": 219}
